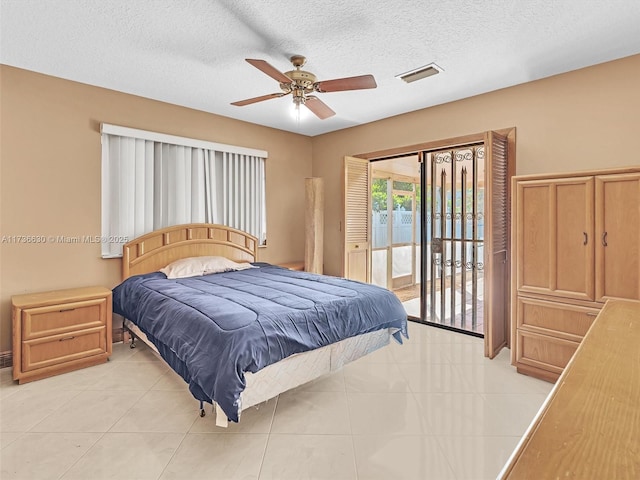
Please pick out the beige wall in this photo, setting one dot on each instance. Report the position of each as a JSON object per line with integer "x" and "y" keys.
{"x": 50, "y": 159}
{"x": 586, "y": 119}
{"x": 50, "y": 178}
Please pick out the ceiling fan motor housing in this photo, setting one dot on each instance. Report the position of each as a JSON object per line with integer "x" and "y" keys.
{"x": 300, "y": 80}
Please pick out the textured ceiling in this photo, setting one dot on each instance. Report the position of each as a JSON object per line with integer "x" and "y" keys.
{"x": 191, "y": 52}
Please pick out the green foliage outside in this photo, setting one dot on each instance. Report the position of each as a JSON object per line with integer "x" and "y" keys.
{"x": 400, "y": 202}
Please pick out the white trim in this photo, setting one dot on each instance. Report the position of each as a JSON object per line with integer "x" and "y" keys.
{"x": 175, "y": 140}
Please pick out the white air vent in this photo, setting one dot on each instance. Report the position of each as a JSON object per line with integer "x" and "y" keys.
{"x": 419, "y": 73}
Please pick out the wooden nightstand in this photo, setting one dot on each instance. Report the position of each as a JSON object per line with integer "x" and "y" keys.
{"x": 293, "y": 265}
{"x": 59, "y": 331}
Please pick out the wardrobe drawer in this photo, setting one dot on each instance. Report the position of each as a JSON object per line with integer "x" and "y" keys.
{"x": 570, "y": 322}
{"x": 543, "y": 351}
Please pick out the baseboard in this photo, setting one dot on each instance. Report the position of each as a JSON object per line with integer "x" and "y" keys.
{"x": 6, "y": 359}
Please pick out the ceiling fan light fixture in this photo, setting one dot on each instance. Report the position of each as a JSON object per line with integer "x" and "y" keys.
{"x": 297, "y": 111}
{"x": 298, "y": 99}
{"x": 420, "y": 73}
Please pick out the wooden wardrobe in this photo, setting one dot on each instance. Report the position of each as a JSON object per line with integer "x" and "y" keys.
{"x": 576, "y": 241}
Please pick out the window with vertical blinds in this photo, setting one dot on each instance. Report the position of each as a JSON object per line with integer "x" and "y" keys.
{"x": 152, "y": 181}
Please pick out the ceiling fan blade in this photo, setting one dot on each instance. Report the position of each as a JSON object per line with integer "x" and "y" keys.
{"x": 318, "y": 107}
{"x": 249, "y": 101}
{"x": 348, "y": 83}
{"x": 269, "y": 70}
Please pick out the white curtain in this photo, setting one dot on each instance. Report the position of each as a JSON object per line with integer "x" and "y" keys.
{"x": 242, "y": 185}
{"x": 147, "y": 185}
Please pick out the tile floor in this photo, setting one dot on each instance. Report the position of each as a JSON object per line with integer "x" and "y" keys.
{"x": 433, "y": 408}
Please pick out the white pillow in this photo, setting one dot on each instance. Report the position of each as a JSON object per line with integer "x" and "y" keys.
{"x": 197, "y": 266}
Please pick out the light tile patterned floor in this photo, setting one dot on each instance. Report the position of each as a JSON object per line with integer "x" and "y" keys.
{"x": 433, "y": 408}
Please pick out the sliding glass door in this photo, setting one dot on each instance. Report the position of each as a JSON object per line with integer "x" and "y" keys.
{"x": 453, "y": 219}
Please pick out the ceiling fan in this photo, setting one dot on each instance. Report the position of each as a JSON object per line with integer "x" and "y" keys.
{"x": 301, "y": 84}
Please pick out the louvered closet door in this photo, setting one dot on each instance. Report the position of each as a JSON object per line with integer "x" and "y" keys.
{"x": 496, "y": 285}
{"x": 357, "y": 211}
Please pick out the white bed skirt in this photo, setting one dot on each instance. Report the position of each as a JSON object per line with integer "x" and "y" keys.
{"x": 296, "y": 369}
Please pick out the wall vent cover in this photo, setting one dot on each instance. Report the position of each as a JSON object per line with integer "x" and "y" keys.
{"x": 420, "y": 73}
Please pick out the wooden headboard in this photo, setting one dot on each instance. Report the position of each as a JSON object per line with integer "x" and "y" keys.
{"x": 157, "y": 249}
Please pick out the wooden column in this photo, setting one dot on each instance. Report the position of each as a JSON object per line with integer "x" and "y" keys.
{"x": 314, "y": 224}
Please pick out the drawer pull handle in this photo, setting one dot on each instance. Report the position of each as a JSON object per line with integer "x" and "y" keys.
{"x": 67, "y": 338}
{"x": 586, "y": 238}
{"x": 589, "y": 314}
{"x": 67, "y": 309}
{"x": 604, "y": 239}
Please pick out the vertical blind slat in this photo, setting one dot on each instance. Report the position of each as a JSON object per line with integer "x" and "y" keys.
{"x": 147, "y": 185}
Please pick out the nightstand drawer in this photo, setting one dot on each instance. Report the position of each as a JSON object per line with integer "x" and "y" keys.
{"x": 46, "y": 351}
{"x": 293, "y": 265}
{"x": 62, "y": 318}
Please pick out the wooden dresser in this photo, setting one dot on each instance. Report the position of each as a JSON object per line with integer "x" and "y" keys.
{"x": 59, "y": 331}
{"x": 576, "y": 244}
{"x": 589, "y": 426}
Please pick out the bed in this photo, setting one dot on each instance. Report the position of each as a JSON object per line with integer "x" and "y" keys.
{"x": 240, "y": 337}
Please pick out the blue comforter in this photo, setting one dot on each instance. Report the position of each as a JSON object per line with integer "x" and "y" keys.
{"x": 211, "y": 329}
